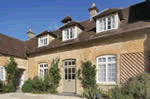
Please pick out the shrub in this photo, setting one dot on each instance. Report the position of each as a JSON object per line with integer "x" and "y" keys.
{"x": 54, "y": 76}
{"x": 53, "y": 89}
{"x": 91, "y": 93}
{"x": 88, "y": 74}
{"x": 48, "y": 84}
{"x": 6, "y": 88}
{"x": 27, "y": 86}
{"x": 37, "y": 85}
{"x": 134, "y": 88}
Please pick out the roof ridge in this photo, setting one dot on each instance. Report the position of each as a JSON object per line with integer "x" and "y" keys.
{"x": 11, "y": 37}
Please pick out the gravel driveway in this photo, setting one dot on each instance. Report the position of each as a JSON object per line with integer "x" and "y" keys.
{"x": 35, "y": 96}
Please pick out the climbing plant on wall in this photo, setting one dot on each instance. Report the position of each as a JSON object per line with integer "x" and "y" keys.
{"x": 11, "y": 70}
{"x": 54, "y": 73}
{"x": 87, "y": 74}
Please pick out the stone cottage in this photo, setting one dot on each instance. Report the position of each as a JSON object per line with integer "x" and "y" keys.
{"x": 116, "y": 40}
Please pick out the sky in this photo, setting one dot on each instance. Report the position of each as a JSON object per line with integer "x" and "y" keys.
{"x": 16, "y": 16}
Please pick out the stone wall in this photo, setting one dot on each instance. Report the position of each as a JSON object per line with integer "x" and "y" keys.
{"x": 21, "y": 63}
{"x": 89, "y": 50}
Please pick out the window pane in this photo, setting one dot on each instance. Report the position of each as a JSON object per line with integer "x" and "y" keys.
{"x": 45, "y": 65}
{"x": 71, "y": 33}
{"x": 41, "y": 65}
{"x": 66, "y": 76}
{"x": 109, "y": 23}
{"x": 113, "y": 21}
{"x": 69, "y": 70}
{"x": 73, "y": 62}
{"x": 45, "y": 72}
{"x": 73, "y": 76}
{"x": 102, "y": 59}
{"x": 1, "y": 73}
{"x": 73, "y": 70}
{"x": 113, "y": 58}
{"x": 102, "y": 72}
{"x": 65, "y": 63}
{"x": 69, "y": 76}
{"x": 67, "y": 33}
{"x": 65, "y": 70}
{"x": 69, "y": 62}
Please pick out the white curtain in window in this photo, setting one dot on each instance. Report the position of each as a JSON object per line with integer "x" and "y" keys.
{"x": 2, "y": 73}
{"x": 106, "y": 66}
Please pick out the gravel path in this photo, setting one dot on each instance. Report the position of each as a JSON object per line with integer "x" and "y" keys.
{"x": 34, "y": 96}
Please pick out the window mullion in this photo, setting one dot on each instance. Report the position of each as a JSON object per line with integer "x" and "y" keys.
{"x": 106, "y": 23}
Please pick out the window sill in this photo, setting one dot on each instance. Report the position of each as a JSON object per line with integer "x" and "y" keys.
{"x": 106, "y": 30}
{"x": 42, "y": 46}
{"x": 69, "y": 39}
{"x": 107, "y": 83}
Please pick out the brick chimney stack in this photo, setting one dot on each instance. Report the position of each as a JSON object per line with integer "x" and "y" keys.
{"x": 93, "y": 10}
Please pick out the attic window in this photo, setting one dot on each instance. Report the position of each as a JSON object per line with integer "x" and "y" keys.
{"x": 43, "y": 40}
{"x": 107, "y": 23}
{"x": 69, "y": 33}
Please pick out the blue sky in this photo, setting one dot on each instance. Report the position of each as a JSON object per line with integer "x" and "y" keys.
{"x": 16, "y": 16}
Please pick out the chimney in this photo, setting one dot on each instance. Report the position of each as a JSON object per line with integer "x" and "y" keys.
{"x": 93, "y": 10}
{"x": 30, "y": 34}
{"x": 66, "y": 19}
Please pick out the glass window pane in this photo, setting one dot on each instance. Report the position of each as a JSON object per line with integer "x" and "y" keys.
{"x": 73, "y": 62}
{"x": 45, "y": 72}
{"x": 66, "y": 76}
{"x": 41, "y": 65}
{"x": 65, "y": 63}
{"x": 73, "y": 76}
{"x": 113, "y": 58}
{"x": 69, "y": 62}
{"x": 69, "y": 76}
{"x": 73, "y": 70}
{"x": 65, "y": 70}
{"x": 102, "y": 59}
{"x": 69, "y": 70}
{"x": 45, "y": 65}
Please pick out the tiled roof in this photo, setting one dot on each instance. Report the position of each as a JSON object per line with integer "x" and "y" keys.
{"x": 11, "y": 46}
{"x": 89, "y": 31}
{"x": 132, "y": 18}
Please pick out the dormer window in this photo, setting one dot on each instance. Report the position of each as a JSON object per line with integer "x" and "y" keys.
{"x": 43, "y": 40}
{"x": 69, "y": 33}
{"x": 107, "y": 23}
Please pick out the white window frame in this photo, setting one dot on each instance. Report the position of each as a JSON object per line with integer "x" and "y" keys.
{"x": 66, "y": 36}
{"x": 100, "y": 24}
{"x": 4, "y": 73}
{"x": 42, "y": 68}
{"x": 106, "y": 63}
{"x": 42, "y": 38}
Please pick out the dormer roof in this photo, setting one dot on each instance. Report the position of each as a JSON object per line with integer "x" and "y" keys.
{"x": 109, "y": 12}
{"x": 47, "y": 32}
{"x": 72, "y": 23}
